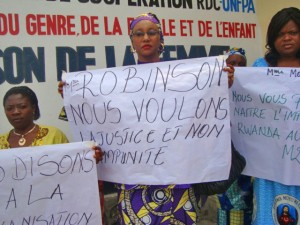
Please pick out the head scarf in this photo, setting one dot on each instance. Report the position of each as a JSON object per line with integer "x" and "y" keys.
{"x": 236, "y": 51}
{"x": 153, "y": 18}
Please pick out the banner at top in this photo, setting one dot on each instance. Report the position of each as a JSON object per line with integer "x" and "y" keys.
{"x": 40, "y": 39}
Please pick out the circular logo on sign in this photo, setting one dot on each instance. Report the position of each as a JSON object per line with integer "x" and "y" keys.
{"x": 285, "y": 210}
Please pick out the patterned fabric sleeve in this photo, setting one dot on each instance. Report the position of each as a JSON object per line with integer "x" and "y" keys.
{"x": 48, "y": 135}
{"x": 3, "y": 141}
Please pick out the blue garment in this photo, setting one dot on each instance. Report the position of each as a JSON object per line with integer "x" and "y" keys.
{"x": 236, "y": 204}
{"x": 260, "y": 62}
{"x": 270, "y": 197}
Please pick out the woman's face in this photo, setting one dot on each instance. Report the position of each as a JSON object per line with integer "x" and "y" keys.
{"x": 19, "y": 111}
{"x": 287, "y": 42}
{"x": 146, "y": 41}
{"x": 236, "y": 60}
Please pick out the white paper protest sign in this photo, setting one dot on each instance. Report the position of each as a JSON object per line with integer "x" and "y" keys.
{"x": 265, "y": 116}
{"x": 53, "y": 184}
{"x": 158, "y": 123}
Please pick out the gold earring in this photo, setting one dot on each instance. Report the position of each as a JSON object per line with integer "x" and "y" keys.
{"x": 132, "y": 49}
